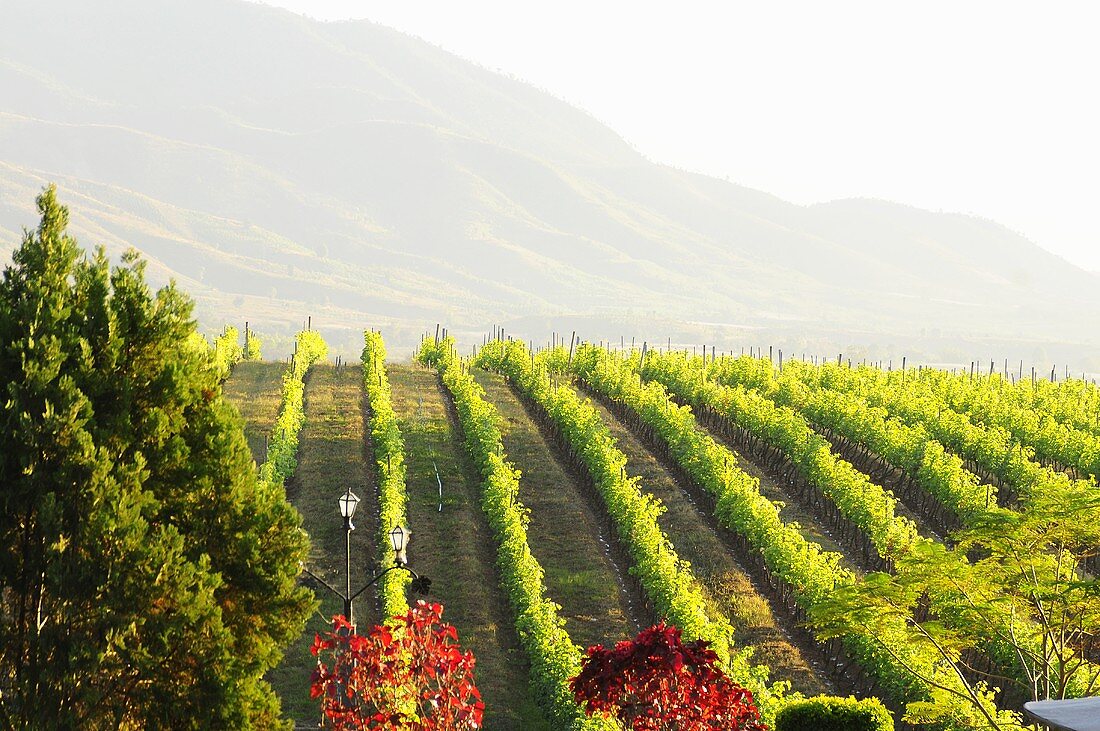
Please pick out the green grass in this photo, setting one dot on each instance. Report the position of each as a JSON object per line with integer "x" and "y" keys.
{"x": 330, "y": 459}
{"x": 563, "y": 530}
{"x": 727, "y": 587}
{"x": 256, "y": 390}
{"x": 454, "y": 547}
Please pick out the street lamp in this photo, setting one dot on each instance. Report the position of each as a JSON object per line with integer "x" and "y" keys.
{"x": 348, "y": 502}
{"x": 399, "y": 538}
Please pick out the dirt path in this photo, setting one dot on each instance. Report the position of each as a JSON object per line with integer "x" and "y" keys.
{"x": 728, "y": 587}
{"x": 454, "y": 547}
{"x": 566, "y": 533}
{"x": 330, "y": 460}
{"x": 256, "y": 389}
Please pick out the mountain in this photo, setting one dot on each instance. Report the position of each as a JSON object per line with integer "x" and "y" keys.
{"x": 277, "y": 166}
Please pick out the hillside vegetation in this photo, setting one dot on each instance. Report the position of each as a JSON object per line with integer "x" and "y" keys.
{"x": 276, "y": 165}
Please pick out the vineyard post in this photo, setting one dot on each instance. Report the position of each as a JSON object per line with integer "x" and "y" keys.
{"x": 571, "y": 339}
{"x": 770, "y": 359}
{"x": 780, "y": 361}
{"x": 437, "y": 333}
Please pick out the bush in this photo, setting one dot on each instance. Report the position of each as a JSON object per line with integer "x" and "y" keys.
{"x": 657, "y": 682}
{"x": 388, "y": 448}
{"x": 226, "y": 352}
{"x": 282, "y": 451}
{"x": 252, "y": 346}
{"x": 409, "y": 673}
{"x": 829, "y": 713}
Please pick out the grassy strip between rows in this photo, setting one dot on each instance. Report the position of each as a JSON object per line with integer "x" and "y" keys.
{"x": 902, "y": 669}
{"x": 667, "y": 580}
{"x": 282, "y": 450}
{"x": 910, "y": 449}
{"x": 553, "y": 656}
{"x": 388, "y": 449}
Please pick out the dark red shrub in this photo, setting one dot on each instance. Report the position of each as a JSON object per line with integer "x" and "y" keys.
{"x": 655, "y": 682}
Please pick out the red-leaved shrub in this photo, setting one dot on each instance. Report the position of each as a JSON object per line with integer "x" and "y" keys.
{"x": 655, "y": 682}
{"x": 410, "y": 674}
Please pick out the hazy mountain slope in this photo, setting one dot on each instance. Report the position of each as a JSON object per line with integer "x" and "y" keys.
{"x": 277, "y": 166}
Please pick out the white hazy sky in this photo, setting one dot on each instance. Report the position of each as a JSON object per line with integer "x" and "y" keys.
{"x": 990, "y": 108}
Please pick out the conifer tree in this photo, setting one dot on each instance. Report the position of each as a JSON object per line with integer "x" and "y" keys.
{"x": 147, "y": 577}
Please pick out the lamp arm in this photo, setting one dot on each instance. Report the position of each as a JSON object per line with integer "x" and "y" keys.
{"x": 374, "y": 581}
{"x": 327, "y": 585}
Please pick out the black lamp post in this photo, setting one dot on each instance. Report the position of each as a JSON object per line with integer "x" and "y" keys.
{"x": 399, "y": 537}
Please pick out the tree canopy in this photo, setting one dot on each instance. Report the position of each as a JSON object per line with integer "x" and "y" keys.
{"x": 147, "y": 576}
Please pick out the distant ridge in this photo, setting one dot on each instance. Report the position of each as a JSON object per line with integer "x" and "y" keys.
{"x": 276, "y": 165}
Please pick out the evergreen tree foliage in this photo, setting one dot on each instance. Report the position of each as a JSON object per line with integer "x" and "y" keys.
{"x": 147, "y": 577}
